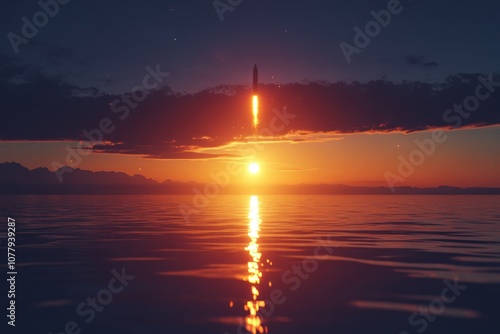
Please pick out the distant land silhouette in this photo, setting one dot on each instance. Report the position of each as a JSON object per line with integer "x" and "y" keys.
{"x": 17, "y": 179}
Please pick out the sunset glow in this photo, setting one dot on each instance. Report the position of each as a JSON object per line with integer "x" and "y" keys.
{"x": 257, "y": 167}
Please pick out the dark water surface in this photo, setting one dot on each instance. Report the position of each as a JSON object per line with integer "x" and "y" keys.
{"x": 273, "y": 264}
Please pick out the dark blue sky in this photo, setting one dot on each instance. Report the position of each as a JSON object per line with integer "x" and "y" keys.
{"x": 107, "y": 44}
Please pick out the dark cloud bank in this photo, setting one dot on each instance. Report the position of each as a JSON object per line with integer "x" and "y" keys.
{"x": 170, "y": 125}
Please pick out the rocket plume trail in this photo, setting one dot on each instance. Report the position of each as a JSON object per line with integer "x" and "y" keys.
{"x": 255, "y": 111}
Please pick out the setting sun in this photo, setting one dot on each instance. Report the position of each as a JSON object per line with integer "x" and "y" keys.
{"x": 253, "y": 168}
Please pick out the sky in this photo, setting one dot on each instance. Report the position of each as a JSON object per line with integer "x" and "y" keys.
{"x": 375, "y": 93}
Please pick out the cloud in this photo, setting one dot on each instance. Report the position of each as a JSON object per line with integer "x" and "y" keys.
{"x": 11, "y": 69}
{"x": 166, "y": 125}
{"x": 420, "y": 61}
{"x": 292, "y": 170}
{"x": 58, "y": 55}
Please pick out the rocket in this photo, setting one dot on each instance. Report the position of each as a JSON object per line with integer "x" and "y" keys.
{"x": 255, "y": 79}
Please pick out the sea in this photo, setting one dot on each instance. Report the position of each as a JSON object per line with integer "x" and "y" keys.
{"x": 391, "y": 264}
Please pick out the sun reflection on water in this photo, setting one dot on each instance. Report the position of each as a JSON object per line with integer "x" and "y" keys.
{"x": 253, "y": 322}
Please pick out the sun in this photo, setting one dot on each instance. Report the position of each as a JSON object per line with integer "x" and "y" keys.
{"x": 253, "y": 168}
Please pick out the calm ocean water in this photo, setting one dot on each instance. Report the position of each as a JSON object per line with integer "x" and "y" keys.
{"x": 272, "y": 264}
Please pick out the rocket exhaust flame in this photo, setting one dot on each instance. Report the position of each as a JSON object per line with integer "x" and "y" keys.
{"x": 255, "y": 100}
{"x": 255, "y": 111}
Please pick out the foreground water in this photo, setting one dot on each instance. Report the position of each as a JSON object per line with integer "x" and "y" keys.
{"x": 273, "y": 264}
